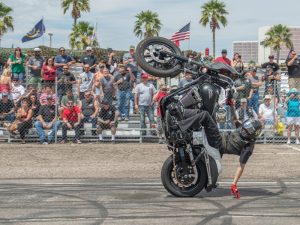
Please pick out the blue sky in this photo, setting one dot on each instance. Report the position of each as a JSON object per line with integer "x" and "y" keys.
{"x": 116, "y": 20}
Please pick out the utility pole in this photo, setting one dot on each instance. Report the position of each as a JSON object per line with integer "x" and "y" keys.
{"x": 50, "y": 36}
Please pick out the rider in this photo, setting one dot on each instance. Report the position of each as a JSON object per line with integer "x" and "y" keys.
{"x": 239, "y": 142}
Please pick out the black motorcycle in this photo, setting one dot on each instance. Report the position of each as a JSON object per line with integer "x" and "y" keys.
{"x": 194, "y": 163}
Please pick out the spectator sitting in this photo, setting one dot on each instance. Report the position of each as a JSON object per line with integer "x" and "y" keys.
{"x": 245, "y": 112}
{"x": 108, "y": 119}
{"x": 71, "y": 120}
{"x": 223, "y": 58}
{"x": 35, "y": 64}
{"x": 89, "y": 59}
{"x": 46, "y": 92}
{"x": 17, "y": 90}
{"x": 5, "y": 82}
{"x": 186, "y": 80}
{"x": 24, "y": 119}
{"x": 89, "y": 109}
{"x": 47, "y": 119}
{"x": 85, "y": 82}
{"x": 267, "y": 112}
{"x": 65, "y": 81}
{"x": 7, "y": 109}
{"x": 293, "y": 114}
{"x": 68, "y": 97}
{"x": 48, "y": 72}
{"x": 163, "y": 92}
{"x": 35, "y": 105}
{"x": 143, "y": 100}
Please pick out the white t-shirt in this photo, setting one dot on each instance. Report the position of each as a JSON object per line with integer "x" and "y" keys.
{"x": 145, "y": 93}
{"x": 17, "y": 91}
{"x": 267, "y": 111}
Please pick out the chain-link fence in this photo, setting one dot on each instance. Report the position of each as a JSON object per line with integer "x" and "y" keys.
{"x": 48, "y": 103}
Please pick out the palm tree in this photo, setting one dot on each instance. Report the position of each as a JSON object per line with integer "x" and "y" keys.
{"x": 80, "y": 36}
{"x": 147, "y": 24}
{"x": 276, "y": 37}
{"x": 213, "y": 13}
{"x": 78, "y": 6}
{"x": 6, "y": 21}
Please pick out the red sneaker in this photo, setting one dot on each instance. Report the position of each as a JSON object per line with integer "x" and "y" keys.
{"x": 235, "y": 191}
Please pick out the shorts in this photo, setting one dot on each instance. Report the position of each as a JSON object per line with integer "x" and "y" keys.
{"x": 293, "y": 120}
{"x": 107, "y": 126}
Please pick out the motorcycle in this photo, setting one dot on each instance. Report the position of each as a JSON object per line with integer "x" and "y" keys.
{"x": 194, "y": 163}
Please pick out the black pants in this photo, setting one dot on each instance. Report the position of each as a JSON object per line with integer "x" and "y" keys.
{"x": 24, "y": 127}
{"x": 65, "y": 129}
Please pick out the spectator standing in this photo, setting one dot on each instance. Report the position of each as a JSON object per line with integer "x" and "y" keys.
{"x": 256, "y": 83}
{"x": 48, "y": 72}
{"x": 17, "y": 90}
{"x": 71, "y": 120}
{"x": 111, "y": 58}
{"x": 130, "y": 62}
{"x": 144, "y": 93}
{"x": 123, "y": 82}
{"x": 245, "y": 112}
{"x": 16, "y": 61}
{"x": 244, "y": 89}
{"x": 293, "y": 65}
{"x": 163, "y": 92}
{"x": 90, "y": 59}
{"x": 7, "y": 109}
{"x": 90, "y": 110}
{"x": 62, "y": 59}
{"x": 271, "y": 77}
{"x": 237, "y": 63}
{"x": 271, "y": 64}
{"x": 293, "y": 114}
{"x": 5, "y": 82}
{"x": 35, "y": 64}
{"x": 186, "y": 80}
{"x": 85, "y": 82}
{"x": 24, "y": 119}
{"x": 65, "y": 81}
{"x": 107, "y": 86}
{"x": 47, "y": 119}
{"x": 97, "y": 89}
{"x": 223, "y": 58}
{"x": 108, "y": 119}
{"x": 267, "y": 112}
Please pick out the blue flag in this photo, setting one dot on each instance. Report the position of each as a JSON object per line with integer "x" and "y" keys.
{"x": 36, "y": 32}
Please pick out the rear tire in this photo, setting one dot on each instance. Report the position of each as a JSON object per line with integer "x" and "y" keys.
{"x": 172, "y": 188}
{"x": 175, "y": 67}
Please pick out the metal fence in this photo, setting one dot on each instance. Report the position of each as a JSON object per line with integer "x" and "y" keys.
{"x": 99, "y": 108}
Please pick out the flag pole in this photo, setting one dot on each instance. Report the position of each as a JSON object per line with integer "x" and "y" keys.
{"x": 190, "y": 36}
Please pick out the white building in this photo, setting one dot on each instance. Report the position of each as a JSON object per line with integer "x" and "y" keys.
{"x": 247, "y": 49}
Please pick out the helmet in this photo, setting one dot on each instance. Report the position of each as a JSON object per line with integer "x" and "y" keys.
{"x": 250, "y": 129}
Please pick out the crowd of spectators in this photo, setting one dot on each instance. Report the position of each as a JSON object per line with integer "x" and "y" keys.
{"x": 50, "y": 97}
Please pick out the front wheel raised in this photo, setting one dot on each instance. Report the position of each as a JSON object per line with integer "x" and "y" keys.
{"x": 177, "y": 188}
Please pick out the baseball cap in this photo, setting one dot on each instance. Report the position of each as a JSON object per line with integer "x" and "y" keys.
{"x": 243, "y": 100}
{"x": 109, "y": 49}
{"x": 4, "y": 94}
{"x": 268, "y": 97}
{"x": 37, "y": 49}
{"x": 224, "y": 51}
{"x": 49, "y": 97}
{"x": 271, "y": 57}
{"x": 131, "y": 47}
{"x": 253, "y": 69}
{"x": 145, "y": 75}
{"x": 88, "y": 48}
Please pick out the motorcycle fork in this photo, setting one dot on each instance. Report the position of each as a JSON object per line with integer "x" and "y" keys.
{"x": 207, "y": 164}
{"x": 181, "y": 152}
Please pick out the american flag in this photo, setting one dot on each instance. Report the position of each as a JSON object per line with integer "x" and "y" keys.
{"x": 182, "y": 34}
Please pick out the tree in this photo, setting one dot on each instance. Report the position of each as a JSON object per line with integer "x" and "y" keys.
{"x": 213, "y": 13}
{"x": 147, "y": 24}
{"x": 81, "y": 36}
{"x": 6, "y": 21}
{"x": 78, "y": 6}
{"x": 277, "y": 37}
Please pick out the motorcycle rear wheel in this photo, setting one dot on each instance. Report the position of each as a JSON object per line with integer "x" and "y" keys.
{"x": 168, "y": 180}
{"x": 151, "y": 61}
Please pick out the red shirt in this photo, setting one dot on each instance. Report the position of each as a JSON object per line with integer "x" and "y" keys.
{"x": 223, "y": 60}
{"x": 159, "y": 97}
{"x": 71, "y": 115}
{"x": 49, "y": 73}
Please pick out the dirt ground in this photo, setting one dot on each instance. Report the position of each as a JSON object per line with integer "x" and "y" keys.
{"x": 131, "y": 161}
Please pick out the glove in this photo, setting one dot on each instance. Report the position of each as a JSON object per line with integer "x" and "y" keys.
{"x": 235, "y": 191}
{"x": 229, "y": 102}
